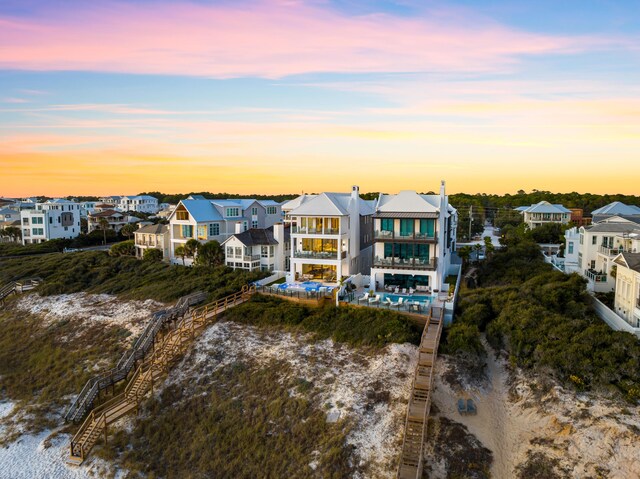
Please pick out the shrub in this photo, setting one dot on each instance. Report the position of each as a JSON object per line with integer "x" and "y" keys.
{"x": 152, "y": 255}
{"x": 126, "y": 248}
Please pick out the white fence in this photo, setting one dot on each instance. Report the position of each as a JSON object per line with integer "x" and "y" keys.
{"x": 614, "y": 321}
{"x": 275, "y": 276}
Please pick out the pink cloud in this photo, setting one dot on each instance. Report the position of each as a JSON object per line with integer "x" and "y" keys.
{"x": 266, "y": 39}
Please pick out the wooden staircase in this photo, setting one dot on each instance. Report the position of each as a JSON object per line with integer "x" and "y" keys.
{"x": 152, "y": 370}
{"x": 411, "y": 460}
{"x": 15, "y": 287}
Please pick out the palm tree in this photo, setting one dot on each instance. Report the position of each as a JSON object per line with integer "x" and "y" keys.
{"x": 104, "y": 226}
{"x": 191, "y": 247}
{"x": 181, "y": 252}
{"x": 14, "y": 233}
{"x": 128, "y": 229}
{"x": 478, "y": 248}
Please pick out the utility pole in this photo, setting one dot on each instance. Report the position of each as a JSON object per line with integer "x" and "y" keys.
{"x": 470, "y": 220}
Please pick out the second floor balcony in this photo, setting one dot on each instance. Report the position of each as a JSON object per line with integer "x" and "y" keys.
{"x": 305, "y": 230}
{"x": 613, "y": 251}
{"x": 326, "y": 255}
{"x": 383, "y": 235}
{"x": 406, "y": 263}
{"x": 595, "y": 276}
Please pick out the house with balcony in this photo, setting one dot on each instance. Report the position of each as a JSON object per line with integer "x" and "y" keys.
{"x": 414, "y": 236}
{"x": 615, "y": 209}
{"x": 152, "y": 237}
{"x": 590, "y": 250}
{"x": 115, "y": 219}
{"x": 627, "y": 298}
{"x": 259, "y": 249}
{"x": 543, "y": 213}
{"x": 139, "y": 204}
{"x": 206, "y": 220}
{"x": 53, "y": 219}
{"x": 331, "y": 236}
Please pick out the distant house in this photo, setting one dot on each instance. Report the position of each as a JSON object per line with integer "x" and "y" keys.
{"x": 139, "y": 204}
{"x": 590, "y": 250}
{"x": 152, "y": 237}
{"x": 115, "y": 219}
{"x": 206, "y": 220}
{"x": 615, "y": 209}
{"x": 8, "y": 217}
{"x": 627, "y": 299}
{"x": 53, "y": 219}
{"x": 543, "y": 213}
{"x": 259, "y": 249}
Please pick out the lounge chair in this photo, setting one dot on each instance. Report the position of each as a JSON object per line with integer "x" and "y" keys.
{"x": 411, "y": 290}
{"x": 402, "y": 303}
{"x": 471, "y": 407}
{"x": 397, "y": 290}
{"x": 387, "y": 302}
{"x": 393, "y": 304}
{"x": 375, "y": 299}
{"x": 404, "y": 290}
{"x": 462, "y": 407}
{"x": 364, "y": 297}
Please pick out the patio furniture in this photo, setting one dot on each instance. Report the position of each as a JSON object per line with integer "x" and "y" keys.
{"x": 411, "y": 290}
{"x": 375, "y": 299}
{"x": 471, "y": 407}
{"x": 462, "y": 407}
{"x": 402, "y": 303}
{"x": 397, "y": 290}
{"x": 387, "y": 302}
{"x": 393, "y": 304}
{"x": 404, "y": 290}
{"x": 364, "y": 297}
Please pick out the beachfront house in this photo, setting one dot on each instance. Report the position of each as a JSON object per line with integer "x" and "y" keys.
{"x": 205, "y": 220}
{"x": 115, "y": 220}
{"x": 331, "y": 236}
{"x": 414, "y": 237}
{"x": 152, "y": 237}
{"x": 259, "y": 249}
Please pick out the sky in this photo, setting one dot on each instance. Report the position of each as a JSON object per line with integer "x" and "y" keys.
{"x": 494, "y": 96}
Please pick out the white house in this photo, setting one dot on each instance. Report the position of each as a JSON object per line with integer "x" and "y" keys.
{"x": 206, "y": 220}
{"x": 627, "y": 299}
{"x": 152, "y": 237}
{"x": 590, "y": 250}
{"x": 139, "y": 204}
{"x": 331, "y": 235}
{"x": 259, "y": 249}
{"x": 544, "y": 212}
{"x": 53, "y": 219}
{"x": 414, "y": 236}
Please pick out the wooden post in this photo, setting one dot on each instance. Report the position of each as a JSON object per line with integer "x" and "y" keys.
{"x": 105, "y": 429}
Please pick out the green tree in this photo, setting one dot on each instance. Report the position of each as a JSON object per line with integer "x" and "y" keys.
{"x": 14, "y": 233}
{"x": 128, "y": 230}
{"x": 125, "y": 248}
{"x": 465, "y": 253}
{"x": 152, "y": 255}
{"x": 103, "y": 224}
{"x": 180, "y": 252}
{"x": 191, "y": 248}
{"x": 488, "y": 246}
{"x": 210, "y": 254}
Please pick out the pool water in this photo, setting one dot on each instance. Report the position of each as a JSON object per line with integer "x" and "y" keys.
{"x": 412, "y": 298}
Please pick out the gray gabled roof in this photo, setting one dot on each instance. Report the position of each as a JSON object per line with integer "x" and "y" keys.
{"x": 617, "y": 208}
{"x": 546, "y": 207}
{"x": 612, "y": 227}
{"x": 630, "y": 260}
{"x": 153, "y": 229}
{"x": 408, "y": 201}
{"x": 259, "y": 236}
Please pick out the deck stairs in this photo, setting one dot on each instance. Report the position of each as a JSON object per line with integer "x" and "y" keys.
{"x": 20, "y": 286}
{"x": 411, "y": 460}
{"x": 165, "y": 353}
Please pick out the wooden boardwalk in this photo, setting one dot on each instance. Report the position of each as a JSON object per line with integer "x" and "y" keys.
{"x": 152, "y": 370}
{"x": 15, "y": 287}
{"x": 411, "y": 460}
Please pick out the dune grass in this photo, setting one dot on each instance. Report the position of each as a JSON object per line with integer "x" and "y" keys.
{"x": 97, "y": 272}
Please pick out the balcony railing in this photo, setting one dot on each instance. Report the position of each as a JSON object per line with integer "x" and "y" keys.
{"x": 417, "y": 236}
{"x": 613, "y": 251}
{"x": 333, "y": 256}
{"x": 314, "y": 231}
{"x": 405, "y": 263}
{"x": 253, "y": 257}
{"x": 595, "y": 276}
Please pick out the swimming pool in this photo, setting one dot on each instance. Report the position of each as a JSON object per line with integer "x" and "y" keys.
{"x": 424, "y": 300}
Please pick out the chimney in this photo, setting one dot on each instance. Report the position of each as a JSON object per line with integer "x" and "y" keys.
{"x": 278, "y": 232}
{"x": 355, "y": 192}
{"x": 238, "y": 227}
{"x": 442, "y": 189}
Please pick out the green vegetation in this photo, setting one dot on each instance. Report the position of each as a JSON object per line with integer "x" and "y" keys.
{"x": 94, "y": 238}
{"x": 354, "y": 326}
{"x": 41, "y": 364}
{"x": 126, "y": 248}
{"x": 153, "y": 255}
{"x": 544, "y": 319}
{"x": 97, "y": 272}
{"x": 237, "y": 421}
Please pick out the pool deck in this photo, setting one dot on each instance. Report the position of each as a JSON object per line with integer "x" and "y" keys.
{"x": 415, "y": 304}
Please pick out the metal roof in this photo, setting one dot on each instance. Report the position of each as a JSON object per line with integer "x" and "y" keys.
{"x": 417, "y": 215}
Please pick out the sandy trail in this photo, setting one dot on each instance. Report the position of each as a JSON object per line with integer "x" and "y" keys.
{"x": 501, "y": 426}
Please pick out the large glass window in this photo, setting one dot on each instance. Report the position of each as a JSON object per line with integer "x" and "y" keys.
{"x": 386, "y": 224}
{"x": 38, "y": 220}
{"x": 271, "y": 210}
{"x": 254, "y": 211}
{"x": 182, "y": 215}
{"x": 214, "y": 229}
{"x": 406, "y": 227}
{"x": 187, "y": 231}
{"x": 570, "y": 247}
{"x": 233, "y": 212}
{"x": 388, "y": 250}
{"x": 427, "y": 228}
